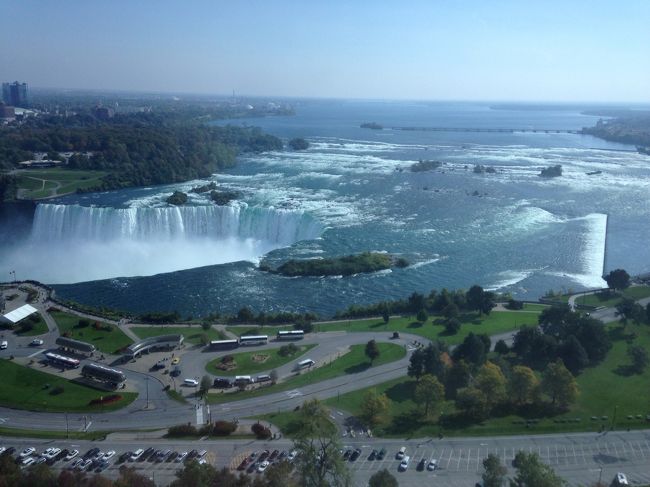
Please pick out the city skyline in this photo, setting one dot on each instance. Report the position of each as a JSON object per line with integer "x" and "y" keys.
{"x": 505, "y": 51}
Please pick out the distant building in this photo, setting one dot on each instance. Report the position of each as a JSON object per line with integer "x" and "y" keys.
{"x": 103, "y": 113}
{"x": 7, "y": 111}
{"x": 15, "y": 94}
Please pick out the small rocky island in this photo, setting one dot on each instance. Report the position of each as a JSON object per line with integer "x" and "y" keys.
{"x": 177, "y": 198}
{"x": 338, "y": 266}
{"x": 481, "y": 169}
{"x": 422, "y": 166}
{"x": 218, "y": 197}
{"x": 551, "y": 171}
{"x": 372, "y": 125}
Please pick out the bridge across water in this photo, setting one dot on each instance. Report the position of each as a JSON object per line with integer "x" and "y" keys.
{"x": 490, "y": 129}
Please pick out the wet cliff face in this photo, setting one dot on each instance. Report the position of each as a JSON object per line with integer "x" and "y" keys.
{"x": 16, "y": 218}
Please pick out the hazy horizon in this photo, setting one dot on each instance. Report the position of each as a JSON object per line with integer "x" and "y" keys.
{"x": 507, "y": 51}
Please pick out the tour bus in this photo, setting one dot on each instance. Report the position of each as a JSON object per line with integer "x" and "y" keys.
{"x": 291, "y": 335}
{"x": 263, "y": 378}
{"x": 243, "y": 379}
{"x": 253, "y": 340}
{"x": 224, "y": 344}
{"x": 305, "y": 364}
{"x": 62, "y": 361}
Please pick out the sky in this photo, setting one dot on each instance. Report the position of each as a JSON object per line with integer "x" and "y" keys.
{"x": 569, "y": 50}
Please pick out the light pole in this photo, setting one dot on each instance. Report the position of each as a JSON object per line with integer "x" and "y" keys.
{"x": 67, "y": 430}
{"x": 146, "y": 380}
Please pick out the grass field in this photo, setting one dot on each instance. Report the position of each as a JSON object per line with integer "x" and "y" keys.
{"x": 38, "y": 328}
{"x": 636, "y": 292}
{"x": 496, "y": 322}
{"x": 352, "y": 362}
{"x": 25, "y": 388}
{"x": 41, "y": 183}
{"x": 607, "y": 390}
{"x": 246, "y": 365}
{"x": 192, "y": 334}
{"x": 109, "y": 339}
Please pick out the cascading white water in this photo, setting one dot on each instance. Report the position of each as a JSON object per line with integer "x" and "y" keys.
{"x": 64, "y": 222}
{"x": 71, "y": 243}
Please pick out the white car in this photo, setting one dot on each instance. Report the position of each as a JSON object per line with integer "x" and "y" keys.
{"x": 181, "y": 457}
{"x": 433, "y": 464}
{"x": 2, "y": 449}
{"x": 263, "y": 466}
{"x": 27, "y": 461}
{"x": 3, "y": 345}
{"x": 27, "y": 452}
{"x": 621, "y": 479}
{"x": 36, "y": 342}
{"x": 191, "y": 382}
{"x": 135, "y": 456}
{"x": 85, "y": 464}
{"x": 71, "y": 455}
{"x": 108, "y": 455}
{"x": 51, "y": 453}
{"x": 405, "y": 463}
{"x": 401, "y": 453}
{"x": 292, "y": 455}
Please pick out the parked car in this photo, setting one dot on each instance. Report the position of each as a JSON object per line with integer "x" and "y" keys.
{"x": 433, "y": 464}
{"x": 91, "y": 453}
{"x": 421, "y": 464}
{"x": 108, "y": 455}
{"x": 263, "y": 466}
{"x": 27, "y": 452}
{"x": 243, "y": 464}
{"x": 274, "y": 454}
{"x": 620, "y": 479}
{"x": 84, "y": 465}
{"x": 401, "y": 453}
{"x": 381, "y": 454}
{"x": 292, "y": 455}
{"x": 71, "y": 455}
{"x": 373, "y": 455}
{"x": 135, "y": 456}
{"x": 355, "y": 454}
{"x": 75, "y": 463}
{"x": 3, "y": 345}
{"x": 27, "y": 461}
{"x": 181, "y": 457}
{"x": 405, "y": 463}
{"x": 124, "y": 457}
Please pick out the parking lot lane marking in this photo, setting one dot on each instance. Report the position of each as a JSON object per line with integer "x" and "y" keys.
{"x": 469, "y": 457}
{"x": 478, "y": 460}
{"x": 460, "y": 457}
{"x": 449, "y": 459}
{"x": 642, "y": 449}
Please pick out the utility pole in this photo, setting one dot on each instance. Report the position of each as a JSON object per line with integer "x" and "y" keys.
{"x": 146, "y": 379}
{"x": 67, "y": 429}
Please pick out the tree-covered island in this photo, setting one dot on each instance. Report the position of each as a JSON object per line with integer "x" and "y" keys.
{"x": 551, "y": 171}
{"x": 338, "y": 266}
{"x": 422, "y": 166}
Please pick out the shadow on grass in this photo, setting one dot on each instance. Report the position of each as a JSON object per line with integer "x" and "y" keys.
{"x": 415, "y": 324}
{"x": 406, "y": 424}
{"x": 625, "y": 370}
{"x": 401, "y": 392}
{"x": 377, "y": 325}
{"x": 355, "y": 369}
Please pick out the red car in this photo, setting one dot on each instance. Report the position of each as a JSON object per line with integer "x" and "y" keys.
{"x": 242, "y": 465}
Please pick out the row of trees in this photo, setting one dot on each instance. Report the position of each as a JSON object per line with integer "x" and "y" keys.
{"x": 445, "y": 303}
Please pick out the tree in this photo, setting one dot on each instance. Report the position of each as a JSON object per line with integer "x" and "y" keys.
{"x": 534, "y": 348}
{"x": 494, "y": 474}
{"x": 501, "y": 347}
{"x": 639, "y": 357}
{"x": 618, "y": 279}
{"x": 319, "y": 462}
{"x": 457, "y": 377}
{"x": 524, "y": 385}
{"x": 374, "y": 409}
{"x": 422, "y": 316}
{"x": 372, "y": 350}
{"x": 385, "y": 315}
{"x": 573, "y": 355}
{"x": 492, "y": 383}
{"x": 429, "y": 392}
{"x": 206, "y": 325}
{"x": 474, "y": 297}
{"x": 274, "y": 376}
{"x": 416, "y": 364}
{"x": 129, "y": 477}
{"x": 279, "y": 474}
{"x": 245, "y": 315}
{"x": 531, "y": 472}
{"x": 473, "y": 350}
{"x": 559, "y": 384}
{"x": 451, "y": 311}
{"x": 383, "y": 478}
{"x": 206, "y": 383}
{"x": 593, "y": 337}
{"x": 452, "y": 326}
{"x": 628, "y": 309}
{"x": 472, "y": 402}
{"x": 433, "y": 362}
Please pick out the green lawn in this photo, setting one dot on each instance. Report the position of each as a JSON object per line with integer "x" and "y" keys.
{"x": 246, "y": 365}
{"x": 25, "y": 388}
{"x": 496, "y": 322}
{"x": 192, "y": 334}
{"x": 605, "y": 390}
{"x": 636, "y": 292}
{"x": 40, "y": 183}
{"x": 109, "y": 339}
{"x": 37, "y": 327}
{"x": 352, "y": 362}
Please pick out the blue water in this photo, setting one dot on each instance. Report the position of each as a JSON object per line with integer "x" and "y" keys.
{"x": 511, "y": 231}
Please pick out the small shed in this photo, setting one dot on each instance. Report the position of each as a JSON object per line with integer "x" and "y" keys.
{"x": 14, "y": 317}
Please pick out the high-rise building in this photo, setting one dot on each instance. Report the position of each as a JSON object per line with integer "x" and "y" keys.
{"x": 15, "y": 94}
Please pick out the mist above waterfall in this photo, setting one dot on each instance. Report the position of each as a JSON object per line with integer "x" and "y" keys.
{"x": 71, "y": 243}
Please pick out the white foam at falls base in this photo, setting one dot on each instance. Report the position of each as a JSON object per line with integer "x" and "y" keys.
{"x": 509, "y": 278}
{"x": 593, "y": 255}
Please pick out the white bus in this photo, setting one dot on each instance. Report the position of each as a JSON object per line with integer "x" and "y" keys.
{"x": 291, "y": 335}
{"x": 224, "y": 344}
{"x": 305, "y": 364}
{"x": 253, "y": 340}
{"x": 243, "y": 379}
{"x": 62, "y": 361}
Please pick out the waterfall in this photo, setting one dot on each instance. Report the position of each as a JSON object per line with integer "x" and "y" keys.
{"x": 275, "y": 226}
